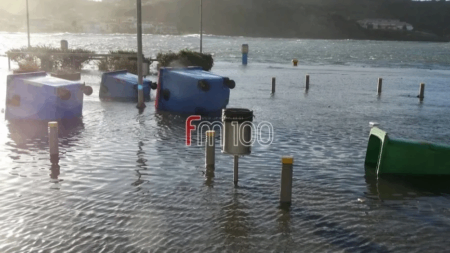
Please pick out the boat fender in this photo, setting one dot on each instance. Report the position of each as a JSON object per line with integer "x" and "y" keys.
{"x": 153, "y": 85}
{"x": 166, "y": 94}
{"x": 229, "y": 83}
{"x": 63, "y": 93}
{"x": 203, "y": 85}
{"x": 14, "y": 101}
{"x": 87, "y": 90}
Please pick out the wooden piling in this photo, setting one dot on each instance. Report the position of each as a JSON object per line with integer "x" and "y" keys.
{"x": 307, "y": 82}
{"x": 380, "y": 85}
{"x": 53, "y": 141}
{"x": 273, "y": 85}
{"x": 422, "y": 91}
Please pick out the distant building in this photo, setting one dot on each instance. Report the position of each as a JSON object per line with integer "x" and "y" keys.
{"x": 385, "y": 24}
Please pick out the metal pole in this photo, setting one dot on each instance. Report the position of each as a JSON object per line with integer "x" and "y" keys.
{"x": 141, "y": 103}
{"x": 28, "y": 26}
{"x": 210, "y": 150}
{"x": 9, "y": 62}
{"x": 236, "y": 170}
{"x": 201, "y": 26}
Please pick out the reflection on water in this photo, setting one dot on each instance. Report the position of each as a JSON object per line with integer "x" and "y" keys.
{"x": 25, "y": 132}
{"x": 398, "y": 187}
{"x": 236, "y": 226}
{"x": 126, "y": 182}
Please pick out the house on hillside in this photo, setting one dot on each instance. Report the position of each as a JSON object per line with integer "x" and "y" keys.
{"x": 385, "y": 24}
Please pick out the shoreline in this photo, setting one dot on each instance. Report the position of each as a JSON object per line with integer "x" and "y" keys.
{"x": 396, "y": 36}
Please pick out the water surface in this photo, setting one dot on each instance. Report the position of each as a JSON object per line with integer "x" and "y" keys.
{"x": 127, "y": 183}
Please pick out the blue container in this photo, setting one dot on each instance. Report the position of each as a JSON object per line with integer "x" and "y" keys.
{"x": 36, "y": 96}
{"x": 192, "y": 91}
{"x": 122, "y": 86}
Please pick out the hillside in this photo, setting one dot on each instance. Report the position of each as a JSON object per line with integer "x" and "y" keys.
{"x": 326, "y": 19}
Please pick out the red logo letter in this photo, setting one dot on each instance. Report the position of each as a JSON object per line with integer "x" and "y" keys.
{"x": 190, "y": 127}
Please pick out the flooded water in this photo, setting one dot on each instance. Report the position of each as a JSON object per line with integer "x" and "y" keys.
{"x": 126, "y": 182}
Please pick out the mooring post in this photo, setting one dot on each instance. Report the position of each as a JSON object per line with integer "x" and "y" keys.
{"x": 307, "y": 82}
{"x": 210, "y": 150}
{"x": 236, "y": 170}
{"x": 422, "y": 91}
{"x": 53, "y": 141}
{"x": 273, "y": 85}
{"x": 380, "y": 85}
{"x": 244, "y": 54}
{"x": 286, "y": 180}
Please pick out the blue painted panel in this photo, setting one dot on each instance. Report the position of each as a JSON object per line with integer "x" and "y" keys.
{"x": 122, "y": 86}
{"x": 185, "y": 94}
{"x": 39, "y": 100}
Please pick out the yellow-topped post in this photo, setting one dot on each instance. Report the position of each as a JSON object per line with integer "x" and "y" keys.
{"x": 286, "y": 180}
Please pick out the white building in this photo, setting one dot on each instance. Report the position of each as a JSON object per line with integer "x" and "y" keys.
{"x": 385, "y": 24}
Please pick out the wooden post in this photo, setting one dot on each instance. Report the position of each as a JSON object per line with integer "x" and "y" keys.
{"x": 422, "y": 91}
{"x": 307, "y": 82}
{"x": 53, "y": 141}
{"x": 141, "y": 103}
{"x": 210, "y": 150}
{"x": 380, "y": 85}
{"x": 273, "y": 85}
{"x": 286, "y": 180}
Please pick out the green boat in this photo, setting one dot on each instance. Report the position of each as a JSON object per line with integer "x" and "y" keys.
{"x": 386, "y": 155}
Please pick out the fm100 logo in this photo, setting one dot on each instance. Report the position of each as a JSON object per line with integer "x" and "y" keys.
{"x": 262, "y": 133}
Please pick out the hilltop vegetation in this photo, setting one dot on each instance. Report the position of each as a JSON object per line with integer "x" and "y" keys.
{"x": 299, "y": 18}
{"x": 329, "y": 19}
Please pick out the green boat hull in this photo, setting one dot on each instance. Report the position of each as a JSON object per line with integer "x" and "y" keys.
{"x": 394, "y": 156}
